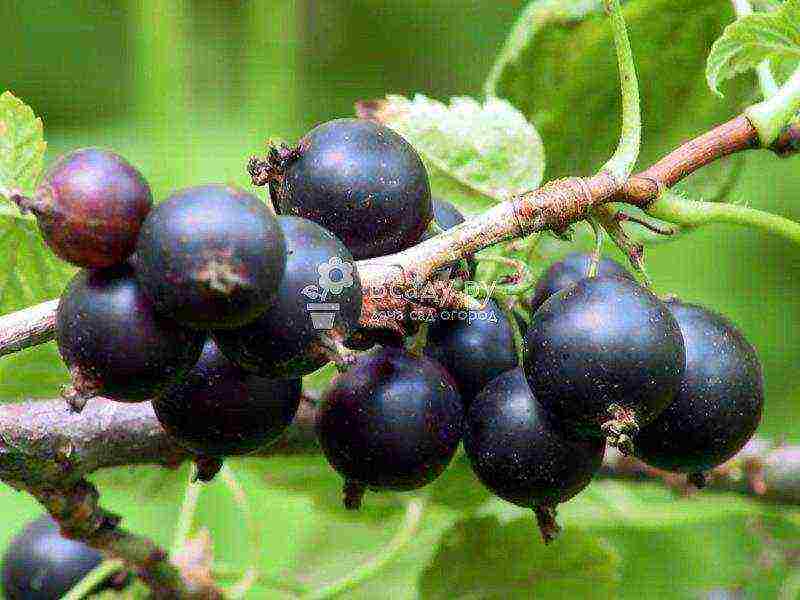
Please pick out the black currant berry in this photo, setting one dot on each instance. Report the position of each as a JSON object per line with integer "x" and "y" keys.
{"x": 570, "y": 270}
{"x": 211, "y": 257}
{"x": 113, "y": 342}
{"x": 604, "y": 356}
{"x": 519, "y": 453}
{"x": 41, "y": 564}
{"x": 392, "y": 422}
{"x": 719, "y": 402}
{"x": 474, "y": 346}
{"x": 363, "y": 182}
{"x": 90, "y": 206}
{"x": 219, "y": 410}
{"x": 320, "y": 293}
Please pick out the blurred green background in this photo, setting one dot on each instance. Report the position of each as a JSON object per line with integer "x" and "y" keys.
{"x": 189, "y": 89}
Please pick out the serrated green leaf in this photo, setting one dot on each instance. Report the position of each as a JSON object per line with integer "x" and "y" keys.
{"x": 471, "y": 149}
{"x": 749, "y": 41}
{"x": 22, "y": 146}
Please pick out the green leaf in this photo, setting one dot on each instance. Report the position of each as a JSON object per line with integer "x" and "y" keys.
{"x": 565, "y": 81}
{"x": 749, "y": 41}
{"x": 22, "y": 146}
{"x": 536, "y": 16}
{"x": 482, "y": 152}
{"x": 486, "y": 558}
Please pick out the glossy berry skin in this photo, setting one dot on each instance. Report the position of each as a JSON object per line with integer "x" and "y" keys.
{"x": 391, "y": 422}
{"x": 719, "y": 402}
{"x": 211, "y": 257}
{"x": 219, "y": 410}
{"x": 519, "y": 452}
{"x": 113, "y": 342}
{"x": 90, "y": 206}
{"x": 277, "y": 343}
{"x": 602, "y": 342}
{"x": 569, "y": 271}
{"x": 473, "y": 350}
{"x": 41, "y": 564}
{"x": 363, "y": 182}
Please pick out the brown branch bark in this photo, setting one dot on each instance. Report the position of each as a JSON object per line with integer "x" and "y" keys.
{"x": 33, "y": 453}
{"x": 30, "y": 327}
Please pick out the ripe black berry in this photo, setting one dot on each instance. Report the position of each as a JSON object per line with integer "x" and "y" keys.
{"x": 319, "y": 270}
{"x": 211, "y": 256}
{"x": 719, "y": 402}
{"x": 570, "y": 270}
{"x": 219, "y": 410}
{"x": 392, "y": 422}
{"x": 363, "y": 182}
{"x": 113, "y": 342}
{"x": 90, "y": 206}
{"x": 41, "y": 564}
{"x": 604, "y": 355}
{"x": 519, "y": 452}
{"x": 475, "y": 349}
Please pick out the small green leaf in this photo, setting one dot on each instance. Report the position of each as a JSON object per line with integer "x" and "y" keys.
{"x": 22, "y": 146}
{"x": 747, "y": 42}
{"x": 485, "y": 151}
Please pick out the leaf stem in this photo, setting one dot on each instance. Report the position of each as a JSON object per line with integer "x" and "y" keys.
{"x": 693, "y": 213}
{"x": 94, "y": 579}
{"x": 253, "y": 527}
{"x": 188, "y": 509}
{"x": 773, "y": 114}
{"x": 621, "y": 164}
{"x": 409, "y": 528}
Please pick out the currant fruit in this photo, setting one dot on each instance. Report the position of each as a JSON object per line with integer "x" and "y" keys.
{"x": 319, "y": 270}
{"x": 363, "y": 182}
{"x": 719, "y": 402}
{"x": 392, "y": 422}
{"x": 604, "y": 355}
{"x": 521, "y": 455}
{"x": 474, "y": 350}
{"x": 211, "y": 257}
{"x": 41, "y": 564}
{"x": 112, "y": 341}
{"x": 90, "y": 206}
{"x": 570, "y": 270}
{"x": 219, "y": 410}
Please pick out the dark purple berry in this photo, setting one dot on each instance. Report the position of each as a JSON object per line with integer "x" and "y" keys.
{"x": 219, "y": 410}
{"x": 570, "y": 270}
{"x": 211, "y": 257}
{"x": 320, "y": 293}
{"x": 363, "y": 182}
{"x": 474, "y": 347}
{"x": 113, "y": 342}
{"x": 41, "y": 564}
{"x": 392, "y": 422}
{"x": 604, "y": 356}
{"x": 90, "y": 206}
{"x": 719, "y": 402}
{"x": 519, "y": 452}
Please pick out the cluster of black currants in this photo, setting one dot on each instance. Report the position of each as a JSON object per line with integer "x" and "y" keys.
{"x": 205, "y": 305}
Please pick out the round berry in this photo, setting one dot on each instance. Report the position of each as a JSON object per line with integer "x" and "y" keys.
{"x": 41, "y": 564}
{"x": 363, "y": 182}
{"x": 604, "y": 355}
{"x": 211, "y": 257}
{"x": 570, "y": 270}
{"x": 320, "y": 283}
{"x": 474, "y": 347}
{"x": 392, "y": 422}
{"x": 113, "y": 342}
{"x": 519, "y": 452}
{"x": 219, "y": 410}
{"x": 719, "y": 402}
{"x": 90, "y": 206}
